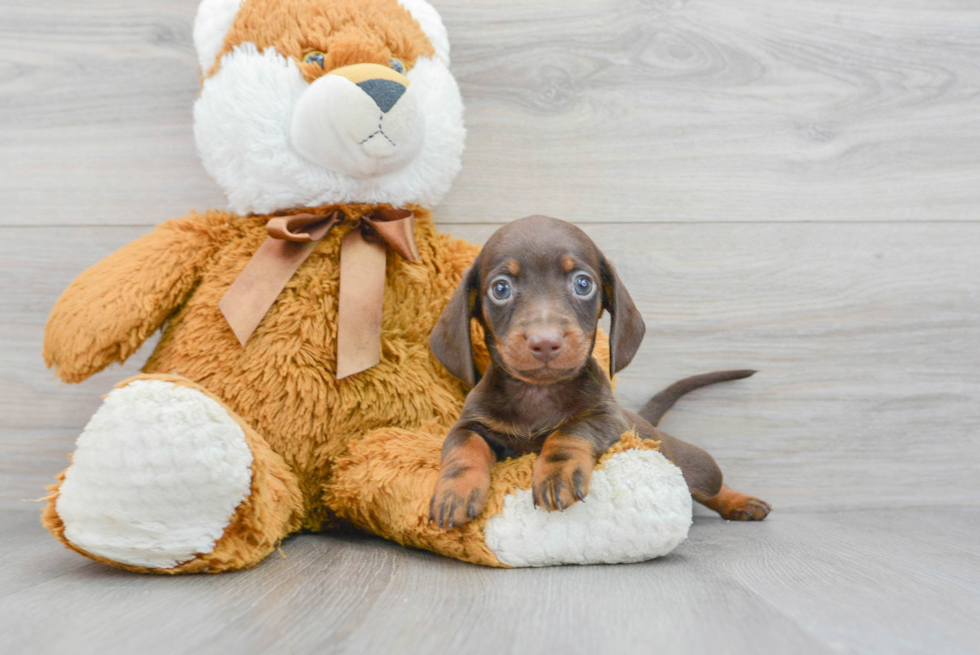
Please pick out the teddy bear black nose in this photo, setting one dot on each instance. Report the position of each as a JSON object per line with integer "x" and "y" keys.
{"x": 384, "y": 92}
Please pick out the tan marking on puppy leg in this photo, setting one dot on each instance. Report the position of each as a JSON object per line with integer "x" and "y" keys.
{"x": 461, "y": 491}
{"x": 563, "y": 471}
{"x": 736, "y": 506}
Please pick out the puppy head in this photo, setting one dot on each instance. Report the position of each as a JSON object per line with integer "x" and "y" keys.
{"x": 538, "y": 288}
{"x": 311, "y": 102}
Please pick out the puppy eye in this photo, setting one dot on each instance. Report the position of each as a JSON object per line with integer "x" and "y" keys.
{"x": 398, "y": 65}
{"x": 314, "y": 57}
{"x": 583, "y": 286}
{"x": 501, "y": 291}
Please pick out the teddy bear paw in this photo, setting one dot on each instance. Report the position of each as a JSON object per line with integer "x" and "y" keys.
{"x": 156, "y": 476}
{"x": 638, "y": 508}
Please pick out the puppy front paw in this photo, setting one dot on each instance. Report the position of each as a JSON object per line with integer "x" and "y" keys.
{"x": 559, "y": 481}
{"x": 457, "y": 501}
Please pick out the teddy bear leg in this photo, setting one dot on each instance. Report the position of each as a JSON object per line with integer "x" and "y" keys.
{"x": 638, "y": 506}
{"x": 166, "y": 479}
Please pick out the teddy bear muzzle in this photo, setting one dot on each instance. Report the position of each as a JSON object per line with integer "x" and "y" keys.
{"x": 361, "y": 120}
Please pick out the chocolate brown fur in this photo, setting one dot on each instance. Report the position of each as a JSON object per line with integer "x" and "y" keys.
{"x": 538, "y": 289}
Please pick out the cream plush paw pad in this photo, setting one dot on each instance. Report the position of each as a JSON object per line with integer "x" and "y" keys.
{"x": 638, "y": 508}
{"x": 156, "y": 476}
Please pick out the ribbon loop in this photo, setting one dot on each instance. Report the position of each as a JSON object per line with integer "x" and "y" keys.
{"x": 397, "y": 228}
{"x": 302, "y": 228}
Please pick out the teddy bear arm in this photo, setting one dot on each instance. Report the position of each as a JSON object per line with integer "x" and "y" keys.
{"x": 109, "y": 310}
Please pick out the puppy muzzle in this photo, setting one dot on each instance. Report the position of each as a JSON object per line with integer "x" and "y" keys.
{"x": 361, "y": 120}
{"x": 546, "y": 355}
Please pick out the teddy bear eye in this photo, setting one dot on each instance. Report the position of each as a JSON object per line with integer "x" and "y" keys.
{"x": 315, "y": 57}
{"x": 398, "y": 65}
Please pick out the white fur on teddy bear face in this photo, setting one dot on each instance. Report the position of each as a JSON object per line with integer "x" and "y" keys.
{"x": 340, "y": 127}
{"x": 156, "y": 476}
{"x": 638, "y": 508}
{"x": 244, "y": 117}
{"x": 242, "y": 126}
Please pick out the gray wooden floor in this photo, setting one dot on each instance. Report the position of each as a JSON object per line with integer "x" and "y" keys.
{"x": 791, "y": 186}
{"x": 862, "y": 581}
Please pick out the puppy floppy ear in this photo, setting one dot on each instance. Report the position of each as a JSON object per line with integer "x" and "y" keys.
{"x": 450, "y": 340}
{"x": 627, "y": 326}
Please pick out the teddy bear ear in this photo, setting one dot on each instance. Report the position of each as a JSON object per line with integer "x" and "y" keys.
{"x": 214, "y": 19}
{"x": 431, "y": 23}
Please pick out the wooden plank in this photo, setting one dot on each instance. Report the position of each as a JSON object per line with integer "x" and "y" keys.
{"x": 865, "y": 581}
{"x": 599, "y": 111}
{"x": 841, "y": 575}
{"x": 95, "y": 113}
{"x": 28, "y": 554}
{"x": 677, "y": 111}
{"x": 865, "y": 335}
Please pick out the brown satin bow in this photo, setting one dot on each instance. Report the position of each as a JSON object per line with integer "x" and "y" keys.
{"x": 362, "y": 277}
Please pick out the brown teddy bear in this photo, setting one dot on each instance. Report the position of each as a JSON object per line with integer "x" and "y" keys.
{"x": 293, "y": 387}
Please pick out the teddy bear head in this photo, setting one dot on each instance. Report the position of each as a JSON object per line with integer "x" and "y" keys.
{"x": 314, "y": 102}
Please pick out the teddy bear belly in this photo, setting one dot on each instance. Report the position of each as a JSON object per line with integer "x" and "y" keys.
{"x": 282, "y": 383}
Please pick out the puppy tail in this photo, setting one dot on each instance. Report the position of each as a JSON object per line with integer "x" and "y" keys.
{"x": 660, "y": 404}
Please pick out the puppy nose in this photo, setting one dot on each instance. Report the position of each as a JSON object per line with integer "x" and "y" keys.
{"x": 385, "y": 93}
{"x": 545, "y": 346}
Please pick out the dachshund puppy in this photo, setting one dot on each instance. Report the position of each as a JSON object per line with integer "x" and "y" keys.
{"x": 538, "y": 288}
